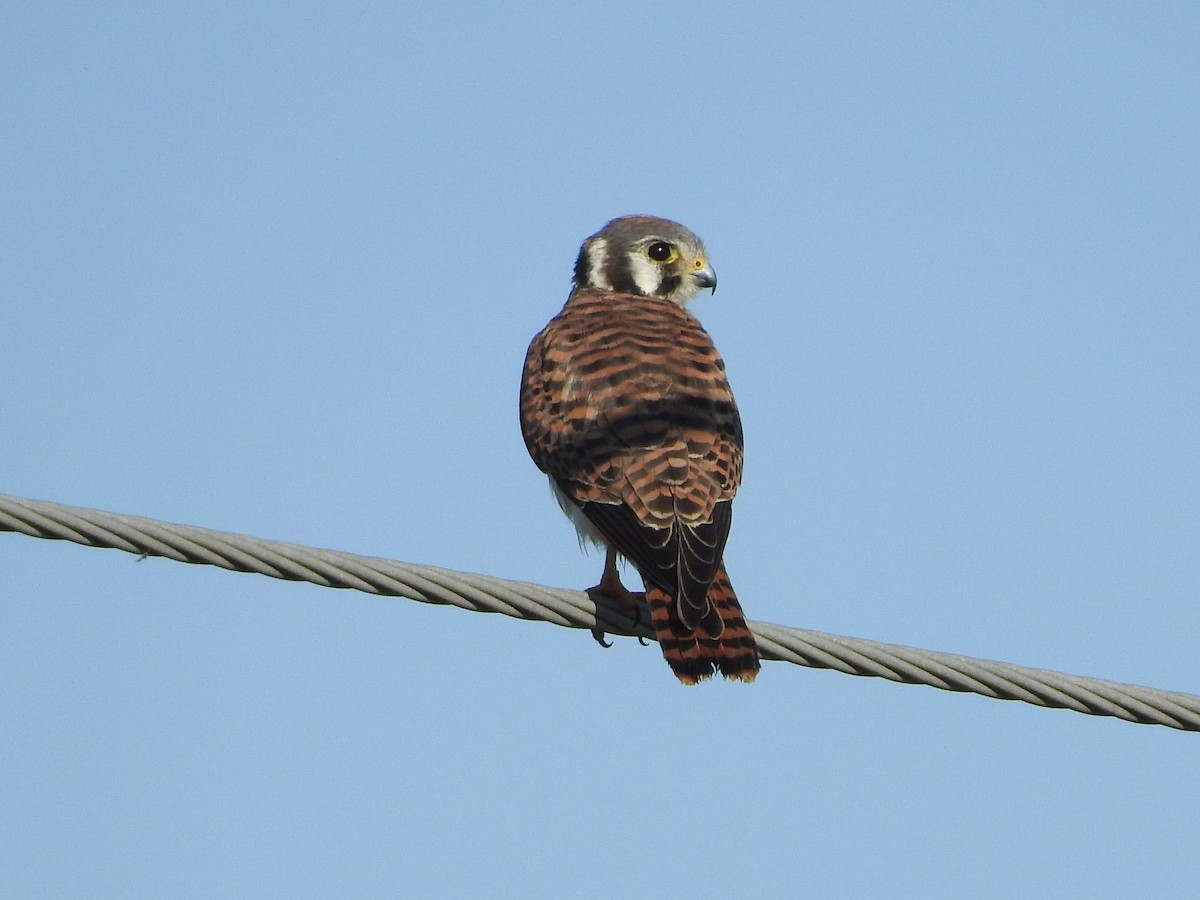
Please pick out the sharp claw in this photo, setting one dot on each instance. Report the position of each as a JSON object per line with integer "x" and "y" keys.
{"x": 610, "y": 588}
{"x": 637, "y": 620}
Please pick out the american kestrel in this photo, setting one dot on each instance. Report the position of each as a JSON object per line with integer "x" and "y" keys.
{"x": 626, "y": 407}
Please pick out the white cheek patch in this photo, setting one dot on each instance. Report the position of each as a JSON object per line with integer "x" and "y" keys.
{"x": 645, "y": 274}
{"x": 597, "y": 254}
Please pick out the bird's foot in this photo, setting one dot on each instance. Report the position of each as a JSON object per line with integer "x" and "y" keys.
{"x": 629, "y": 601}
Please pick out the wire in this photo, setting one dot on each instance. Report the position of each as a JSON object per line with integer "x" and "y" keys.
{"x": 575, "y": 609}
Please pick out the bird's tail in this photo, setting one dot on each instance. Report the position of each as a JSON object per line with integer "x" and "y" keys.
{"x": 720, "y": 643}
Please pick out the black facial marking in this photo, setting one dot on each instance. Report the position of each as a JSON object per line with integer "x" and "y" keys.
{"x": 583, "y": 267}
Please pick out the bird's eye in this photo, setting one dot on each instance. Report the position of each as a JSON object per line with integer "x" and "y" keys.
{"x": 660, "y": 251}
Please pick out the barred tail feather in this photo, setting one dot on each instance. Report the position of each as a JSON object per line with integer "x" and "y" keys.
{"x": 694, "y": 656}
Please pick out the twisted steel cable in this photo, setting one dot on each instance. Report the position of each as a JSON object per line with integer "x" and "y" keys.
{"x": 575, "y": 609}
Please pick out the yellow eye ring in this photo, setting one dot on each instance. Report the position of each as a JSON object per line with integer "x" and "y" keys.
{"x": 660, "y": 251}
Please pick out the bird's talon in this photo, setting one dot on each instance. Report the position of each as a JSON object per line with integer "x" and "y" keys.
{"x": 637, "y": 620}
{"x": 599, "y": 636}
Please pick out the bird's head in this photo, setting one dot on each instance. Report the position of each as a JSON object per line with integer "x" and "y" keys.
{"x": 645, "y": 255}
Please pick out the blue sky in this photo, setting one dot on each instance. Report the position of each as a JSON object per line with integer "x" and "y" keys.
{"x": 273, "y": 269}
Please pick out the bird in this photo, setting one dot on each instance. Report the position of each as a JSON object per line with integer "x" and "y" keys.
{"x": 625, "y": 405}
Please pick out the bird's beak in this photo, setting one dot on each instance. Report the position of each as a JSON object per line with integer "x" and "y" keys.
{"x": 706, "y": 277}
